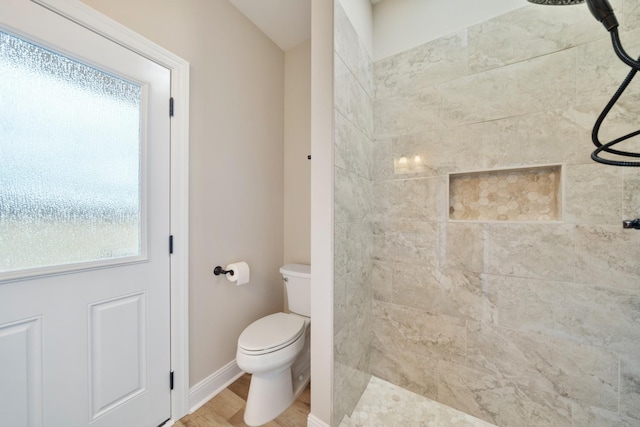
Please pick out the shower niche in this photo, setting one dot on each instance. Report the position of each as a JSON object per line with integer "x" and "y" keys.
{"x": 520, "y": 194}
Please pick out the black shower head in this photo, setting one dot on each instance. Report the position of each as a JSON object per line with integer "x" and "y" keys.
{"x": 603, "y": 12}
{"x": 556, "y": 2}
{"x": 600, "y": 9}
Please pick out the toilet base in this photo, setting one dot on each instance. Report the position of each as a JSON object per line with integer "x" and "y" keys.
{"x": 278, "y": 386}
{"x": 271, "y": 393}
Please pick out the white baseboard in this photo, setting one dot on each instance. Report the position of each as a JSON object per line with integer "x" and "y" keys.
{"x": 206, "y": 389}
{"x": 313, "y": 421}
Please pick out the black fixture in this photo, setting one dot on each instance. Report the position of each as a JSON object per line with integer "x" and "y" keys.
{"x": 631, "y": 223}
{"x": 218, "y": 271}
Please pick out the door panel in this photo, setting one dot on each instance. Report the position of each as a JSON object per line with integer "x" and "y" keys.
{"x": 117, "y": 352}
{"x": 21, "y": 372}
{"x": 88, "y": 343}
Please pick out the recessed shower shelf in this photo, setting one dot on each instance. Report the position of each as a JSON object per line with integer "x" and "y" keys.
{"x": 523, "y": 194}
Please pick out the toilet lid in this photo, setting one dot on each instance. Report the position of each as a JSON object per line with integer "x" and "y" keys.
{"x": 275, "y": 330}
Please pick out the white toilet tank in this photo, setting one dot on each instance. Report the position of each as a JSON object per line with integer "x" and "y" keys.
{"x": 298, "y": 280}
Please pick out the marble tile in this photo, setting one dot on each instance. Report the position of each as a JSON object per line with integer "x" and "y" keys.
{"x": 352, "y": 247}
{"x": 410, "y": 199}
{"x": 525, "y": 140}
{"x": 462, "y": 246}
{"x": 415, "y": 285}
{"x": 464, "y": 295}
{"x": 499, "y": 401}
{"x": 419, "y": 248}
{"x": 450, "y": 292}
{"x": 597, "y": 62}
{"x": 353, "y": 149}
{"x": 382, "y": 160}
{"x": 345, "y": 37}
{"x": 379, "y": 227}
{"x": 442, "y": 151}
{"x": 364, "y": 71}
{"x": 596, "y": 417}
{"x": 600, "y": 317}
{"x": 630, "y": 16}
{"x": 540, "y": 138}
{"x": 630, "y": 385}
{"x": 413, "y": 331}
{"x": 340, "y": 308}
{"x": 510, "y": 91}
{"x": 631, "y": 194}
{"x": 384, "y": 404}
{"x": 350, "y": 48}
{"x": 430, "y": 228}
{"x": 583, "y": 373}
{"x": 379, "y": 245}
{"x": 352, "y": 345}
{"x": 428, "y": 64}
{"x": 359, "y": 291}
{"x": 530, "y": 32}
{"x": 407, "y": 114}
{"x": 608, "y": 256}
{"x": 418, "y": 155}
{"x": 352, "y": 305}
{"x": 346, "y": 422}
{"x": 381, "y": 281}
{"x": 351, "y": 99}
{"x": 592, "y": 194}
{"x": 349, "y": 385}
{"x": 544, "y": 251}
{"x": 353, "y": 197}
{"x": 525, "y": 194}
{"x": 352, "y": 362}
{"x": 411, "y": 371}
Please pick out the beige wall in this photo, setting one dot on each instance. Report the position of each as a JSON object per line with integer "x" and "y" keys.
{"x": 236, "y": 176}
{"x": 297, "y": 146}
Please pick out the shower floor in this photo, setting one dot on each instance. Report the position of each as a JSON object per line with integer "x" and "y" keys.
{"x": 384, "y": 404}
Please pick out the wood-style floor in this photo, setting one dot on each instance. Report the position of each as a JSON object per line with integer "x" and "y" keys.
{"x": 227, "y": 409}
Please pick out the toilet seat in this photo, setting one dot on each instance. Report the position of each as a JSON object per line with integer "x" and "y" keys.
{"x": 270, "y": 334}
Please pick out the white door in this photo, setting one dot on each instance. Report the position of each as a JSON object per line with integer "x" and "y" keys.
{"x": 84, "y": 227}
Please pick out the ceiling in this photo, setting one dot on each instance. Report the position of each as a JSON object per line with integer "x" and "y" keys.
{"x": 286, "y": 22}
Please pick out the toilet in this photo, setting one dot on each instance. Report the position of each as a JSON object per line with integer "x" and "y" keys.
{"x": 275, "y": 350}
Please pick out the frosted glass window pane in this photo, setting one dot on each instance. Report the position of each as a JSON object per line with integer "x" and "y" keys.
{"x": 69, "y": 160}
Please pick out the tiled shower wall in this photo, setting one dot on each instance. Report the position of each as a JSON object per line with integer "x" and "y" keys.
{"x": 353, "y": 234}
{"x": 518, "y": 323}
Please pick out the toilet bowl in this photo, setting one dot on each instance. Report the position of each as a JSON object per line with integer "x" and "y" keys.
{"x": 276, "y": 351}
{"x": 273, "y": 386}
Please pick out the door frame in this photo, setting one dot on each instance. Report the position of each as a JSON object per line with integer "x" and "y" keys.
{"x": 118, "y": 33}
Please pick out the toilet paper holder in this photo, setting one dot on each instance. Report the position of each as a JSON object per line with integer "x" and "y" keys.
{"x": 218, "y": 271}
